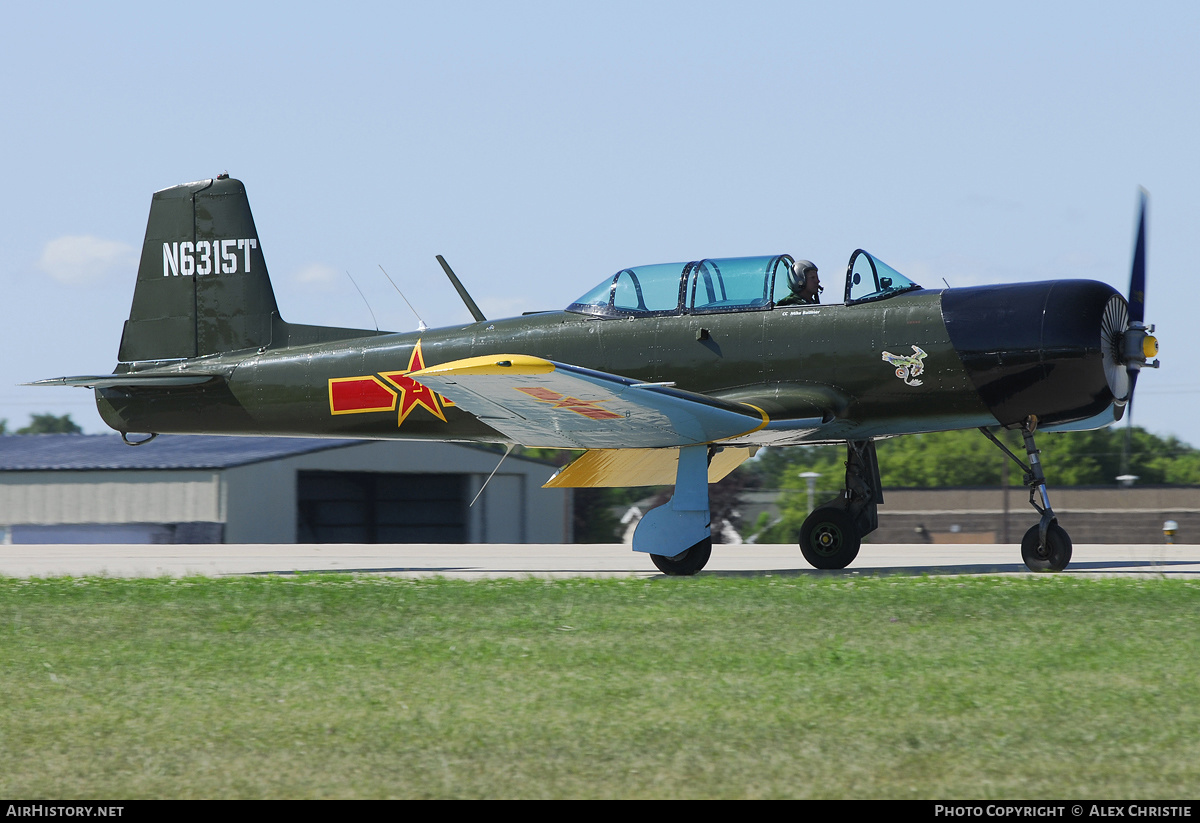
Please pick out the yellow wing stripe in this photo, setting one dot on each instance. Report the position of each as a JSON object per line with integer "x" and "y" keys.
{"x": 765, "y": 420}
{"x": 502, "y": 364}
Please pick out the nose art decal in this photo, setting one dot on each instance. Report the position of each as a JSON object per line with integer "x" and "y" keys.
{"x": 908, "y": 368}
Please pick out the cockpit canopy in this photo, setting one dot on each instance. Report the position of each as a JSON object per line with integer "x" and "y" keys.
{"x": 730, "y": 284}
{"x": 869, "y": 278}
{"x": 725, "y": 285}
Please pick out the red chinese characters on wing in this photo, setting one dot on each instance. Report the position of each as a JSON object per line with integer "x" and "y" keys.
{"x": 587, "y": 408}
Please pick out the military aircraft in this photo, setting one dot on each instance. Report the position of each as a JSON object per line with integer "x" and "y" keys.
{"x": 671, "y": 373}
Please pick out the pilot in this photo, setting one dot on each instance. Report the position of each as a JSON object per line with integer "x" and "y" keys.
{"x": 804, "y": 283}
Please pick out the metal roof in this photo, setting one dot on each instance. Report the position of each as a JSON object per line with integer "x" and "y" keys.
{"x": 83, "y": 452}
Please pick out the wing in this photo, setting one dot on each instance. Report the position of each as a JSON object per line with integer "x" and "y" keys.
{"x": 542, "y": 403}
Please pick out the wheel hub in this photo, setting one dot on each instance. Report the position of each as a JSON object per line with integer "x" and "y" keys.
{"x": 828, "y": 540}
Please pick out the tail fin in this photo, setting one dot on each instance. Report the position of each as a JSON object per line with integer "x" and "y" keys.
{"x": 202, "y": 285}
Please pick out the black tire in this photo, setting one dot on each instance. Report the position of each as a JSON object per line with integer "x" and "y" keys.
{"x": 1056, "y": 555}
{"x": 687, "y": 562}
{"x": 829, "y": 539}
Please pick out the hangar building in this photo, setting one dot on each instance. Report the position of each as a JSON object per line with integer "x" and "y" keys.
{"x": 79, "y": 488}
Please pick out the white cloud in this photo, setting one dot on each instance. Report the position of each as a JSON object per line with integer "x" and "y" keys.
{"x": 83, "y": 259}
{"x": 319, "y": 275}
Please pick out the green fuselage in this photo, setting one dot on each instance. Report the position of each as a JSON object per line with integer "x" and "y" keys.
{"x": 794, "y": 362}
{"x": 205, "y": 350}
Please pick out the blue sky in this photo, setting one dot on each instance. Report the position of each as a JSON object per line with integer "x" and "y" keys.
{"x": 542, "y": 146}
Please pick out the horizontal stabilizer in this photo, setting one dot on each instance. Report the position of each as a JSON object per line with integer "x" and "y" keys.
{"x": 539, "y": 402}
{"x": 110, "y": 381}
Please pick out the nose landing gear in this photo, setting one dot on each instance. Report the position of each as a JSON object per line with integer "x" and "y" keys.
{"x": 1046, "y": 546}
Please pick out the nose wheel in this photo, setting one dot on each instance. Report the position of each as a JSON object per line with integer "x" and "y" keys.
{"x": 1051, "y": 556}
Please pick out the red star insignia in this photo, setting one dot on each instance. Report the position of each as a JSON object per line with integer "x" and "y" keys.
{"x": 412, "y": 393}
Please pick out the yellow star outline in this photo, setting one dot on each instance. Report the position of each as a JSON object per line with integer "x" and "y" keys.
{"x": 412, "y": 393}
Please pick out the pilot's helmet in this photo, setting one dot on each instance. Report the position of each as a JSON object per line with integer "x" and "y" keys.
{"x": 799, "y": 274}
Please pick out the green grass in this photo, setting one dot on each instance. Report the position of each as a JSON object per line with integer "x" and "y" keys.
{"x": 336, "y": 686}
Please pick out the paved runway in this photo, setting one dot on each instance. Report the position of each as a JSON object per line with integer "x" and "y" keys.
{"x": 555, "y": 560}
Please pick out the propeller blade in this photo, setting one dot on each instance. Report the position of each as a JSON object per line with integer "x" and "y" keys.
{"x": 1137, "y": 277}
{"x": 1137, "y": 292}
{"x": 1133, "y": 375}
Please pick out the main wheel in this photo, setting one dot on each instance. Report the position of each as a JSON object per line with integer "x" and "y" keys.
{"x": 1054, "y": 557}
{"x": 687, "y": 562}
{"x": 829, "y": 539}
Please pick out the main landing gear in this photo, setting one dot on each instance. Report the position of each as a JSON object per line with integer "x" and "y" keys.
{"x": 1046, "y": 547}
{"x": 831, "y": 536}
{"x": 678, "y": 539}
{"x": 676, "y": 535}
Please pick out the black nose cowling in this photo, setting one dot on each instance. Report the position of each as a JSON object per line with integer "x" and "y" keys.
{"x": 1033, "y": 348}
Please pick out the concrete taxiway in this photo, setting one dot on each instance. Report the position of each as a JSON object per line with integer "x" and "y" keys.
{"x": 557, "y": 560}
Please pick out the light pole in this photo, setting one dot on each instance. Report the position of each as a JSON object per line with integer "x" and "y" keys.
{"x": 811, "y": 479}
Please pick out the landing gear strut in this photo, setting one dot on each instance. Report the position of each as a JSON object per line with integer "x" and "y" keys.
{"x": 677, "y": 535}
{"x": 1046, "y": 546}
{"x": 831, "y": 536}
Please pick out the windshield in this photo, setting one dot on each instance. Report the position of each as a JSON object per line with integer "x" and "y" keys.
{"x": 699, "y": 287}
{"x": 869, "y": 278}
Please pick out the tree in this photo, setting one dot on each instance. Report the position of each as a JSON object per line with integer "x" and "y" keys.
{"x": 50, "y": 424}
{"x": 595, "y": 521}
{"x": 957, "y": 458}
{"x": 779, "y": 469}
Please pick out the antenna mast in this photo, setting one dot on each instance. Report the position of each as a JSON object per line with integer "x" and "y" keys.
{"x": 420, "y": 323}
